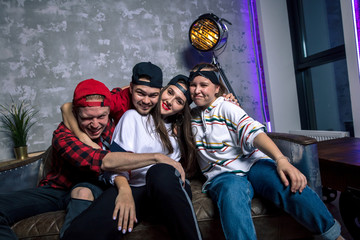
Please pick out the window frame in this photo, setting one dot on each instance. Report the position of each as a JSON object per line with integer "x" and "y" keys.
{"x": 303, "y": 63}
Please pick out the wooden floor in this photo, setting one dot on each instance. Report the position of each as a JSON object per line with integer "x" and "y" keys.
{"x": 334, "y": 209}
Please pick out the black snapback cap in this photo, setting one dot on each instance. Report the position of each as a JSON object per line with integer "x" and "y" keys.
{"x": 149, "y": 70}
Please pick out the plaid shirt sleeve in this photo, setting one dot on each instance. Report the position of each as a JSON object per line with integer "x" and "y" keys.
{"x": 71, "y": 149}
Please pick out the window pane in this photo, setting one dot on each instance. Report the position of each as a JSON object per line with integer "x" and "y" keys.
{"x": 323, "y": 25}
{"x": 331, "y": 93}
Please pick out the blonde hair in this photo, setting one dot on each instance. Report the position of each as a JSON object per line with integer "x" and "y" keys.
{"x": 94, "y": 97}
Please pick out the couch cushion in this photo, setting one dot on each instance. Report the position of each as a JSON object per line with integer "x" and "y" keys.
{"x": 270, "y": 222}
{"x": 46, "y": 225}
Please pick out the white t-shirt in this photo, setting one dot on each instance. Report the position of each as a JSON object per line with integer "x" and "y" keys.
{"x": 136, "y": 133}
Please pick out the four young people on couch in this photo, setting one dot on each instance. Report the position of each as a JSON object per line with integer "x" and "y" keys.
{"x": 233, "y": 152}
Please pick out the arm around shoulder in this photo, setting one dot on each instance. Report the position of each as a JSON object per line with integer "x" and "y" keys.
{"x": 72, "y": 124}
{"x": 124, "y": 161}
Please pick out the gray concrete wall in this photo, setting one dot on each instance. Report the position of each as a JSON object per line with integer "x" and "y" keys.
{"x": 47, "y": 47}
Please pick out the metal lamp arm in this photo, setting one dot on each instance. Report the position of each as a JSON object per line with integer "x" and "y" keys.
{"x": 223, "y": 76}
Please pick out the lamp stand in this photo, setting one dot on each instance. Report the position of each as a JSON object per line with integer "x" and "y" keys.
{"x": 223, "y": 76}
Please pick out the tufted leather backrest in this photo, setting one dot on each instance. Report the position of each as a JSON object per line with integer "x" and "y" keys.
{"x": 46, "y": 163}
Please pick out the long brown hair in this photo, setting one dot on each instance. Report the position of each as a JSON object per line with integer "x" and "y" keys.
{"x": 181, "y": 130}
{"x": 212, "y": 67}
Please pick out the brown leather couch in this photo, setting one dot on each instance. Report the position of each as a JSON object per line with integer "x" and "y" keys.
{"x": 270, "y": 222}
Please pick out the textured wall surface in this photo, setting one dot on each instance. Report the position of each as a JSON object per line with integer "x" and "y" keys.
{"x": 47, "y": 47}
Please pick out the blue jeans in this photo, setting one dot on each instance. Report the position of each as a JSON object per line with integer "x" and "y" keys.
{"x": 233, "y": 194}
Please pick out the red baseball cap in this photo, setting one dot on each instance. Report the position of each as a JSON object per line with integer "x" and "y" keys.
{"x": 91, "y": 87}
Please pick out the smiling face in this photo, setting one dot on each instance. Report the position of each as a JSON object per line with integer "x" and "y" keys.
{"x": 93, "y": 120}
{"x": 172, "y": 101}
{"x": 144, "y": 98}
{"x": 203, "y": 92}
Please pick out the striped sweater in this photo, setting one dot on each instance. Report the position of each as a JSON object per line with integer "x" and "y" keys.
{"x": 224, "y": 136}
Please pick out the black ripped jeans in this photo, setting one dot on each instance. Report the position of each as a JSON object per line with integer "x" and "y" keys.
{"x": 163, "y": 199}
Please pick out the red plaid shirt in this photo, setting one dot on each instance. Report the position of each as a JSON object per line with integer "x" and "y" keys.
{"x": 74, "y": 161}
{"x": 120, "y": 103}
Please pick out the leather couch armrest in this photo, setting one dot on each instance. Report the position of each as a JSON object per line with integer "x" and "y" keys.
{"x": 303, "y": 154}
{"x": 299, "y": 139}
{"x": 19, "y": 174}
{"x": 16, "y": 163}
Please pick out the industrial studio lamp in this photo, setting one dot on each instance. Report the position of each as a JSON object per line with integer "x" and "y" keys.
{"x": 209, "y": 33}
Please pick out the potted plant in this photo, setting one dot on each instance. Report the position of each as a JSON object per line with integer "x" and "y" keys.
{"x": 16, "y": 123}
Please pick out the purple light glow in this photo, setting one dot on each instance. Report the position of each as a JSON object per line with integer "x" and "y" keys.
{"x": 259, "y": 63}
{"x": 356, "y": 14}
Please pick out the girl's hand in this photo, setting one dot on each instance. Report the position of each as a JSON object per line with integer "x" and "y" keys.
{"x": 287, "y": 171}
{"x": 125, "y": 211}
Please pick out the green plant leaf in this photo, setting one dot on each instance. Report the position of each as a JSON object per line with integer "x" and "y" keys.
{"x": 16, "y": 121}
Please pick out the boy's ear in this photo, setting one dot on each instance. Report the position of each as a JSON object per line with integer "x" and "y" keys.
{"x": 131, "y": 88}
